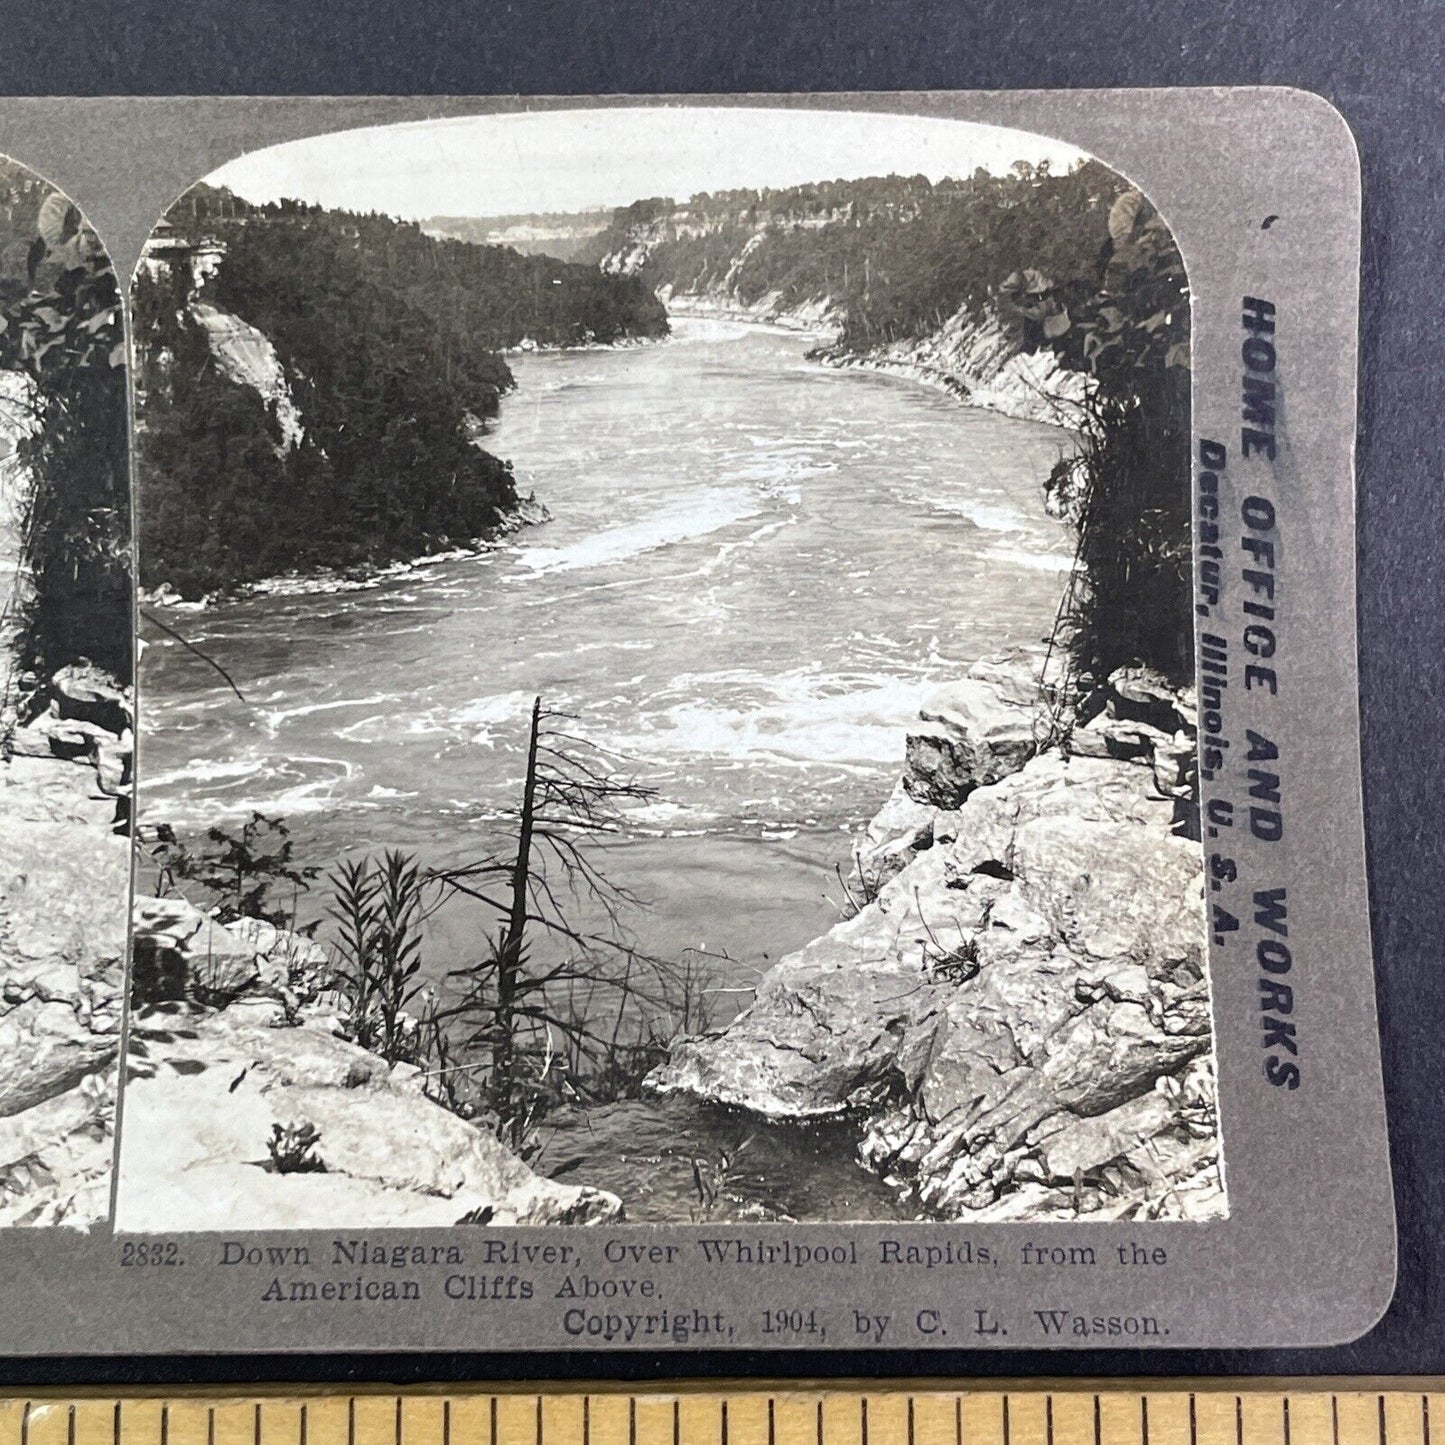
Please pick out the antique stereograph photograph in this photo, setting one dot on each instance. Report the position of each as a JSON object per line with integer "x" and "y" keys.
{"x": 683, "y": 723}
{"x": 65, "y": 706}
{"x": 667, "y": 683}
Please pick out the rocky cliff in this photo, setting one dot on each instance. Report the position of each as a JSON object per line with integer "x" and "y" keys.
{"x": 247, "y": 1108}
{"x": 975, "y": 358}
{"x": 64, "y": 879}
{"x": 1018, "y": 1016}
{"x": 247, "y": 356}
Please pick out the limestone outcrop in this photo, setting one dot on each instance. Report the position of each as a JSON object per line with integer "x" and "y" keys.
{"x": 64, "y": 877}
{"x": 1019, "y": 1020}
{"x": 246, "y": 1108}
{"x": 974, "y": 357}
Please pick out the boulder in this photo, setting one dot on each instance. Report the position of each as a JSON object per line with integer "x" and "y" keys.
{"x": 977, "y": 730}
{"x": 180, "y": 952}
{"x": 48, "y": 1050}
{"x": 901, "y": 827}
{"x": 64, "y": 879}
{"x": 88, "y": 694}
{"x": 1140, "y": 694}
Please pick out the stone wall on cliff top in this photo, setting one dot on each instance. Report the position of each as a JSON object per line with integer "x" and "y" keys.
{"x": 1020, "y": 1018}
{"x": 64, "y": 879}
{"x": 233, "y": 1033}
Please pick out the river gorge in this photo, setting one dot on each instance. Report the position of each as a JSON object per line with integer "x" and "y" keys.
{"x": 754, "y": 568}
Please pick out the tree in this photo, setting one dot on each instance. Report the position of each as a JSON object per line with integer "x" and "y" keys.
{"x": 1127, "y": 327}
{"x": 61, "y": 329}
{"x": 511, "y": 1004}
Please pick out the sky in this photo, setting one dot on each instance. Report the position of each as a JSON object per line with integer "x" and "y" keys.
{"x": 583, "y": 159}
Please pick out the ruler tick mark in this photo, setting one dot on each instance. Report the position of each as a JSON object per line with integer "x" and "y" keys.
{"x": 820, "y": 1423}
{"x": 1048, "y": 1419}
{"x": 631, "y": 1423}
{"x": 723, "y": 1424}
{"x": 1286, "y": 1419}
{"x": 1239, "y": 1419}
{"x": 1335, "y": 1419}
{"x": 165, "y": 1422}
{"x": 1099, "y": 1424}
{"x": 1193, "y": 1421}
{"x": 25, "y": 1424}
{"x": 256, "y": 1424}
{"x": 1005, "y": 1422}
{"x": 1425, "y": 1418}
{"x": 301, "y": 1425}
{"x": 1144, "y": 1420}
{"x": 1382, "y": 1421}
{"x": 772, "y": 1428}
{"x": 631, "y": 1420}
{"x": 70, "y": 1426}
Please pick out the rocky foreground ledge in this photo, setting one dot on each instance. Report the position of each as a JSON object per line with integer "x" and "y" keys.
{"x": 64, "y": 879}
{"x": 1019, "y": 1020}
{"x": 247, "y": 1108}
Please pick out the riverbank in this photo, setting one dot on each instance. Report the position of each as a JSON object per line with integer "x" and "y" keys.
{"x": 1016, "y": 1020}
{"x": 247, "y": 1107}
{"x": 326, "y": 582}
{"x": 970, "y": 358}
{"x": 975, "y": 359}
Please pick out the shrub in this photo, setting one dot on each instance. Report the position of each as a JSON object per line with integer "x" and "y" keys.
{"x": 292, "y": 1148}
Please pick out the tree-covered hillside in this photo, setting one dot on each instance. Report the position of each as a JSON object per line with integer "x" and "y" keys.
{"x": 896, "y": 255}
{"x": 387, "y": 340}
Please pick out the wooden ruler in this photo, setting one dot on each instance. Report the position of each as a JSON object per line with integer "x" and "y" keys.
{"x": 1388, "y": 1412}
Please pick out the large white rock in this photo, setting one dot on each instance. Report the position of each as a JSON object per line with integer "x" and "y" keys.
{"x": 64, "y": 878}
{"x": 981, "y": 728}
{"x": 195, "y": 1156}
{"x": 1043, "y": 969}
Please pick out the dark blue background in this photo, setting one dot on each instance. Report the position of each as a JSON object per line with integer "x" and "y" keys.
{"x": 1381, "y": 65}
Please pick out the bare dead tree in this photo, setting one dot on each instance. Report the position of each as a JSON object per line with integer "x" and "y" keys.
{"x": 569, "y": 809}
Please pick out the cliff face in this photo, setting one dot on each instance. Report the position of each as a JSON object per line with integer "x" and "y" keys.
{"x": 64, "y": 877}
{"x": 976, "y": 359}
{"x": 238, "y": 1059}
{"x": 1018, "y": 1017}
{"x": 247, "y": 356}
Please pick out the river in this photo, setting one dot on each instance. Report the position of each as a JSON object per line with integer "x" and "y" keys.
{"x": 756, "y": 566}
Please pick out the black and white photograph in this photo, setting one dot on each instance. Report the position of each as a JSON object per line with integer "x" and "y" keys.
{"x": 665, "y": 692}
{"x": 66, "y": 648}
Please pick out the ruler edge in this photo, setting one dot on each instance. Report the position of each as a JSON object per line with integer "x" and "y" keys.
{"x": 729, "y": 1388}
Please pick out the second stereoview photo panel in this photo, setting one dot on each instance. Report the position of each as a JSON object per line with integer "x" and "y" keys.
{"x": 666, "y": 689}
{"x": 66, "y": 656}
